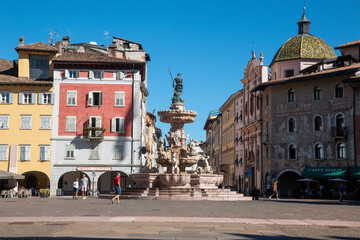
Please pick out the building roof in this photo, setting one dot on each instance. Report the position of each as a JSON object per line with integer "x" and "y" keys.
{"x": 326, "y": 73}
{"x": 90, "y": 58}
{"x": 231, "y": 98}
{"x": 140, "y": 46}
{"x": 37, "y": 47}
{"x": 349, "y": 44}
{"x": 8, "y": 67}
{"x": 304, "y": 46}
{"x": 12, "y": 80}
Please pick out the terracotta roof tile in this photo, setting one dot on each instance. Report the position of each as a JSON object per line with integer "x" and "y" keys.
{"x": 12, "y": 80}
{"x": 349, "y": 44}
{"x": 90, "y": 57}
{"x": 38, "y": 46}
{"x": 8, "y": 67}
{"x": 340, "y": 70}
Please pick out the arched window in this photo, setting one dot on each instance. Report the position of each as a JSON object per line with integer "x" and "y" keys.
{"x": 319, "y": 151}
{"x": 339, "y": 90}
{"x": 291, "y": 95}
{"x": 318, "y": 123}
{"x": 251, "y": 105}
{"x": 291, "y": 125}
{"x": 341, "y": 150}
{"x": 292, "y": 151}
{"x": 340, "y": 122}
{"x": 317, "y": 93}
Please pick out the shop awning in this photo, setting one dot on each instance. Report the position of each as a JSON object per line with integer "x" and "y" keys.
{"x": 9, "y": 175}
{"x": 324, "y": 172}
{"x": 355, "y": 172}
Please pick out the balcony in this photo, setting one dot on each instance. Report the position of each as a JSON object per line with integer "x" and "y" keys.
{"x": 94, "y": 133}
{"x": 339, "y": 133}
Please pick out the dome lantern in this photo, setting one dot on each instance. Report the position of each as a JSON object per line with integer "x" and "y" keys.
{"x": 304, "y": 24}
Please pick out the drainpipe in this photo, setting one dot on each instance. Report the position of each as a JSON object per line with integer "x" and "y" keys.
{"x": 354, "y": 123}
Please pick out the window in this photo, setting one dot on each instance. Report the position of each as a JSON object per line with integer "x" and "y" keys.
{"x": 126, "y": 45}
{"x": 6, "y": 97}
{"x": 120, "y": 99}
{"x": 317, "y": 93}
{"x": 292, "y": 152}
{"x": 46, "y": 98}
{"x": 318, "y": 123}
{"x": 119, "y": 152}
{"x": 25, "y": 152}
{"x": 39, "y": 66}
{"x": 3, "y": 152}
{"x": 289, "y": 73}
{"x": 26, "y": 122}
{"x": 70, "y": 124}
{"x": 267, "y": 100}
{"x": 94, "y": 153}
{"x": 341, "y": 151}
{"x": 251, "y": 105}
{"x": 95, "y": 98}
{"x": 70, "y": 149}
{"x": 45, "y": 122}
{"x": 117, "y": 124}
{"x": 291, "y": 95}
{"x": 45, "y": 153}
{"x": 340, "y": 122}
{"x": 291, "y": 125}
{"x": 319, "y": 151}
{"x": 339, "y": 90}
{"x": 27, "y": 98}
{"x": 95, "y": 122}
{"x": 71, "y": 98}
{"x": 73, "y": 74}
{"x": 4, "y": 121}
{"x": 99, "y": 74}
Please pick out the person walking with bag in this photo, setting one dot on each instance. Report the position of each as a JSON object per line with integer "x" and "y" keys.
{"x": 275, "y": 190}
{"x": 117, "y": 188}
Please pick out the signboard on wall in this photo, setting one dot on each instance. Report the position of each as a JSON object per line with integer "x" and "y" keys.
{"x": 94, "y": 169}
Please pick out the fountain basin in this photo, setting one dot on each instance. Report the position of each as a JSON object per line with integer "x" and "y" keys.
{"x": 206, "y": 181}
{"x": 145, "y": 180}
{"x": 175, "y": 180}
{"x": 177, "y": 116}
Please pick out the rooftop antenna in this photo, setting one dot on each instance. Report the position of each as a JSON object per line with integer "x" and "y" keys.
{"x": 106, "y": 33}
{"x": 57, "y": 35}
{"x": 50, "y": 41}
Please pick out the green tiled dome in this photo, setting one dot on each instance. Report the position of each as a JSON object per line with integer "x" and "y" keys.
{"x": 304, "y": 46}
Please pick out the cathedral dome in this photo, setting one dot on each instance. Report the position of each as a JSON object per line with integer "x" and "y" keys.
{"x": 304, "y": 46}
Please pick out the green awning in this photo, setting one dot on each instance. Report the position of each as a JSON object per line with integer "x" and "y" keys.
{"x": 355, "y": 172}
{"x": 324, "y": 172}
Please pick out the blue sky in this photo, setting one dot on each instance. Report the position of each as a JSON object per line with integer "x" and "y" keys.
{"x": 208, "y": 42}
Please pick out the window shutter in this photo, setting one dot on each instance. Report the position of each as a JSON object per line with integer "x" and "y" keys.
{"x": 43, "y": 124}
{"x": 11, "y": 98}
{"x": 21, "y": 98}
{"x": 121, "y": 127}
{"x": 321, "y": 152}
{"x": 47, "y": 153}
{"x": 67, "y": 73}
{"x": 77, "y": 74}
{"x": 91, "y": 74}
{"x": 101, "y": 98}
{"x": 122, "y": 99}
{"x": 102, "y": 74}
{"x": 33, "y": 98}
{"x": 52, "y": 98}
{"x": 40, "y": 98}
{"x": 27, "y": 152}
{"x": 90, "y": 98}
{"x": 98, "y": 122}
{"x": 113, "y": 125}
{"x": 42, "y": 153}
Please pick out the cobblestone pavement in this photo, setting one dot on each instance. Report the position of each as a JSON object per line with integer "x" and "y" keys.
{"x": 64, "y": 218}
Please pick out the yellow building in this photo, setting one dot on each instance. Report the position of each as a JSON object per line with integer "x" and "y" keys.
{"x": 26, "y": 101}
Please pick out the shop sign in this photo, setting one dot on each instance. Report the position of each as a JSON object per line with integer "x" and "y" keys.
{"x": 94, "y": 169}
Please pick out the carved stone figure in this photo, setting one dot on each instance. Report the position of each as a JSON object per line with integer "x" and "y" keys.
{"x": 161, "y": 149}
{"x": 178, "y": 89}
{"x": 192, "y": 147}
{"x": 147, "y": 167}
{"x": 207, "y": 168}
{"x": 175, "y": 164}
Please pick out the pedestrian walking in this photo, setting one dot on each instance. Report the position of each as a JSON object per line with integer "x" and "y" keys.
{"x": 275, "y": 190}
{"x": 76, "y": 188}
{"x": 84, "y": 186}
{"x": 341, "y": 192}
{"x": 117, "y": 188}
{"x": 268, "y": 190}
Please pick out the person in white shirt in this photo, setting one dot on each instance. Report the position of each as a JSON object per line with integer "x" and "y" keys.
{"x": 76, "y": 188}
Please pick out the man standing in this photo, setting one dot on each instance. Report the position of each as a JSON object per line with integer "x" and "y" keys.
{"x": 84, "y": 186}
{"x": 117, "y": 188}
{"x": 275, "y": 189}
{"x": 341, "y": 192}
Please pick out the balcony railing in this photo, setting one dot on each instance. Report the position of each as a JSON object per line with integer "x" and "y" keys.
{"x": 94, "y": 133}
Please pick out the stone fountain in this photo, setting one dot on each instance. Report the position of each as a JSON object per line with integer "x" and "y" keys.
{"x": 177, "y": 156}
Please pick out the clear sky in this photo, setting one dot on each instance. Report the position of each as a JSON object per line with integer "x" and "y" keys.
{"x": 209, "y": 42}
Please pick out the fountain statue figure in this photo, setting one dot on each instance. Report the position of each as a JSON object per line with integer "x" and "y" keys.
{"x": 178, "y": 89}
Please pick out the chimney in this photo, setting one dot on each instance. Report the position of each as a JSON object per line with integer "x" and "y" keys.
{"x": 21, "y": 41}
{"x": 66, "y": 41}
{"x": 58, "y": 46}
{"x": 112, "y": 50}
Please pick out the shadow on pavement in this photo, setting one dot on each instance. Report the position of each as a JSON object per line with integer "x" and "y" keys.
{"x": 280, "y": 237}
{"x": 316, "y": 202}
{"x": 70, "y": 238}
